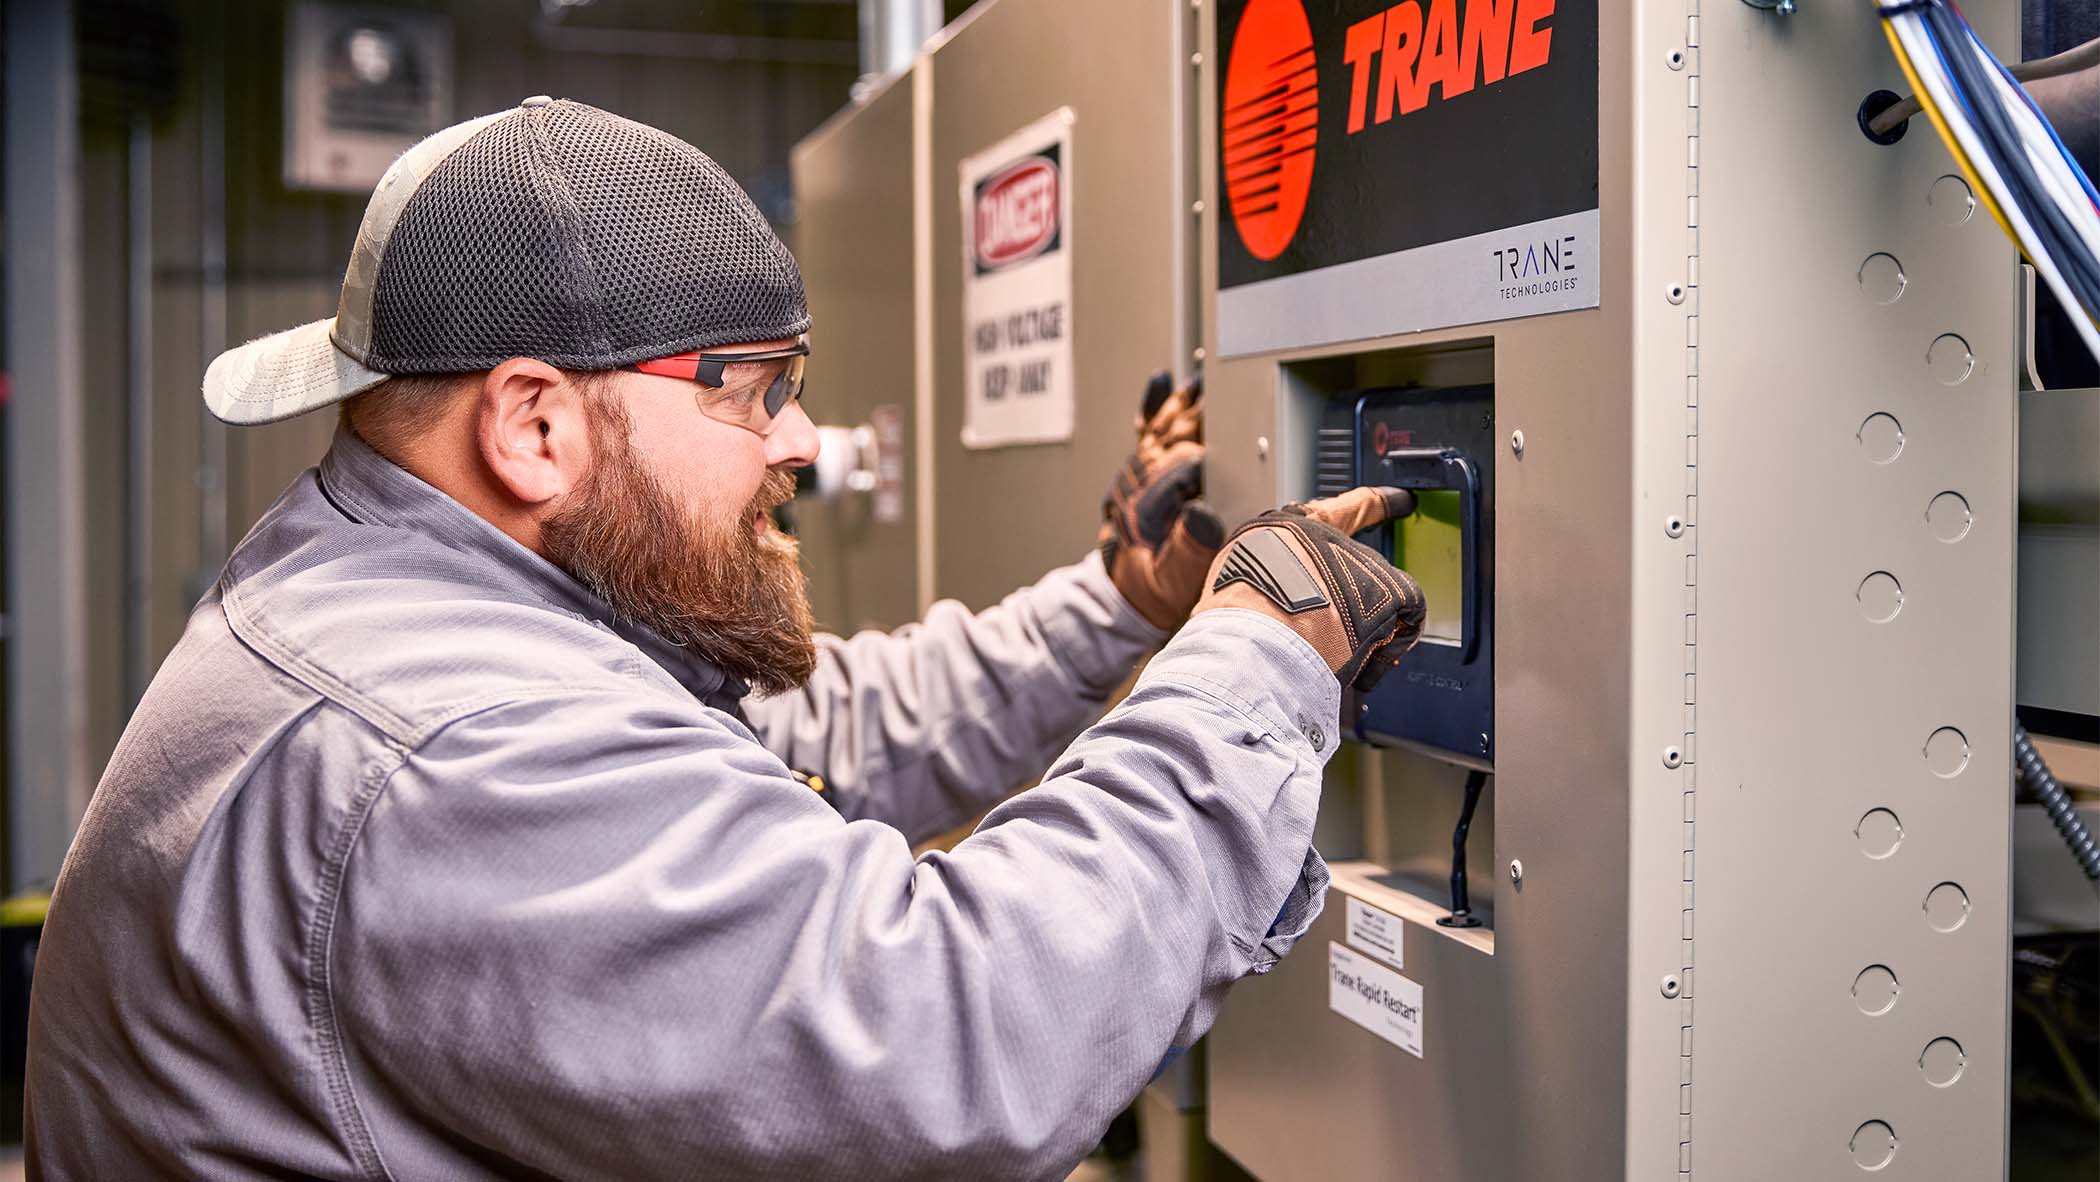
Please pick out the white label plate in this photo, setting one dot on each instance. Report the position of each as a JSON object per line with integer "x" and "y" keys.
{"x": 1375, "y": 998}
{"x": 1017, "y": 287}
{"x": 1375, "y": 932}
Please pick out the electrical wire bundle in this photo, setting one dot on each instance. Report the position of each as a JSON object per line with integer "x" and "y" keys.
{"x": 2012, "y": 157}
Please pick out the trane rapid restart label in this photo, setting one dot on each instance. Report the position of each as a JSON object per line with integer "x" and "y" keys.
{"x": 1387, "y": 168}
{"x": 1017, "y": 287}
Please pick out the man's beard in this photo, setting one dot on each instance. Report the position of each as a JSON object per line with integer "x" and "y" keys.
{"x": 731, "y": 594}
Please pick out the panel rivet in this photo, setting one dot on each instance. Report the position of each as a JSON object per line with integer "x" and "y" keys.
{"x": 1676, "y": 59}
{"x": 1672, "y": 757}
{"x": 1673, "y": 525}
{"x": 1516, "y": 872}
{"x": 1516, "y": 442}
{"x": 1674, "y": 293}
{"x": 1261, "y": 447}
{"x": 1671, "y": 986}
{"x": 1198, "y": 354}
{"x": 1196, "y": 208}
{"x": 1195, "y": 59}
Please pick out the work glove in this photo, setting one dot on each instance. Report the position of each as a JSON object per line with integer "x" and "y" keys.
{"x": 1299, "y": 565}
{"x": 1157, "y": 536}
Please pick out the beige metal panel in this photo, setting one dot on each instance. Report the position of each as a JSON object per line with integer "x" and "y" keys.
{"x": 854, "y": 239}
{"x": 1005, "y": 515}
{"x": 1809, "y": 713}
{"x": 1524, "y": 1071}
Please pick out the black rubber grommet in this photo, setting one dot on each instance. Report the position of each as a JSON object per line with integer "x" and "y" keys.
{"x": 1874, "y": 104}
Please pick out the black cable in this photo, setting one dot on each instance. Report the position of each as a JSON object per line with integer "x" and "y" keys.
{"x": 1461, "y": 897}
{"x": 2056, "y": 802}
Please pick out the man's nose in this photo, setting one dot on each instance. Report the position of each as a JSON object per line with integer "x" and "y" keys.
{"x": 793, "y": 442}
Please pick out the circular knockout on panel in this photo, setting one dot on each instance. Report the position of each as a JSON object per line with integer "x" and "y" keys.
{"x": 1880, "y": 597}
{"x": 1880, "y": 833}
{"x": 1942, "y": 1062}
{"x": 1951, "y": 201}
{"x": 1875, "y": 990}
{"x": 1881, "y": 438}
{"x": 1946, "y": 752}
{"x": 1873, "y": 1145}
{"x": 1881, "y": 277}
{"x": 1949, "y": 517}
{"x": 1946, "y": 907}
{"x": 1949, "y": 359}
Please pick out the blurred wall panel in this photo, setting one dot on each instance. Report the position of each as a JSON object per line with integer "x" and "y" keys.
{"x": 853, "y": 191}
{"x": 1004, "y": 515}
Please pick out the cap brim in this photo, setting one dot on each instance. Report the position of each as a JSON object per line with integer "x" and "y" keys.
{"x": 284, "y": 374}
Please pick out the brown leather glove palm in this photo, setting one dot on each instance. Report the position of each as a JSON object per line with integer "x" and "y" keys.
{"x": 1157, "y": 536}
{"x": 1299, "y": 565}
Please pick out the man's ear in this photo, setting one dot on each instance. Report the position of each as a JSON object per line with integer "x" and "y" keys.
{"x": 531, "y": 430}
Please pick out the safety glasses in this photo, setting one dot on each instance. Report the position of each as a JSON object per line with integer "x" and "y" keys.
{"x": 755, "y": 387}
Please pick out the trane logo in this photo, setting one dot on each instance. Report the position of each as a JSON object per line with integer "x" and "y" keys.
{"x": 1270, "y": 124}
{"x": 1017, "y": 212}
{"x": 1396, "y": 56}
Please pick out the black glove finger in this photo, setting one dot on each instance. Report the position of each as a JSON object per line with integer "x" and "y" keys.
{"x": 1204, "y": 525}
{"x": 1160, "y": 506}
{"x": 1157, "y": 391}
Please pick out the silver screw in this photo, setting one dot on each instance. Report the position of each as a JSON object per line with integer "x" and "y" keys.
{"x": 1672, "y": 757}
{"x": 1195, "y": 59}
{"x": 1674, "y": 293}
{"x": 1671, "y": 986}
{"x": 1196, "y": 208}
{"x": 1786, "y": 8}
{"x": 1198, "y": 354}
{"x": 1516, "y": 872}
{"x": 1516, "y": 442}
{"x": 1673, "y": 525}
{"x": 1261, "y": 447}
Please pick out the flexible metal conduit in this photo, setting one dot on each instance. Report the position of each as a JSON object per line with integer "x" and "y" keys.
{"x": 2042, "y": 782}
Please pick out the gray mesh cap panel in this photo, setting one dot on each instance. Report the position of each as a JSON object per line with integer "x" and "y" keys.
{"x": 585, "y": 240}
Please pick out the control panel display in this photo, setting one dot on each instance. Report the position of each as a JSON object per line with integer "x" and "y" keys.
{"x": 1440, "y": 444}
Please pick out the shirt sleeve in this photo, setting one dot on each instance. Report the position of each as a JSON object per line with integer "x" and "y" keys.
{"x": 925, "y": 727}
{"x": 593, "y": 937}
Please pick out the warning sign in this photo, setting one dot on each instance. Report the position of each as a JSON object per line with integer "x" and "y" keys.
{"x": 1017, "y": 287}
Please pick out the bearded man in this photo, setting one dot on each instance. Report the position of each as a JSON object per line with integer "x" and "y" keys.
{"x": 446, "y": 844}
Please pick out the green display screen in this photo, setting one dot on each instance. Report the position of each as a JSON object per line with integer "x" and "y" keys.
{"x": 1426, "y": 545}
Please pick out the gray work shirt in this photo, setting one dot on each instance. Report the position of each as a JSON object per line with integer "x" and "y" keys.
{"x": 414, "y": 864}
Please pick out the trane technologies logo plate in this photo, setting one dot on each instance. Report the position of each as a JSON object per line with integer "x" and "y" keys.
{"x": 1389, "y": 167}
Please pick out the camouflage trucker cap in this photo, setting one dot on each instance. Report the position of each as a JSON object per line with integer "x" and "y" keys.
{"x": 553, "y": 230}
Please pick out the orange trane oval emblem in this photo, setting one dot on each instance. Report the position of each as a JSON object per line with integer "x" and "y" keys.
{"x": 1269, "y": 124}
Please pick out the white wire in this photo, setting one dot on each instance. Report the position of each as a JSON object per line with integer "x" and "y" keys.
{"x": 1917, "y": 42}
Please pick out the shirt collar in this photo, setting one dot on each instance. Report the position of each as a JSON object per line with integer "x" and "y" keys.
{"x": 369, "y": 488}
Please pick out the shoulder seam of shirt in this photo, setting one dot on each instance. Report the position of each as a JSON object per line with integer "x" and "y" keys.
{"x": 256, "y": 635}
